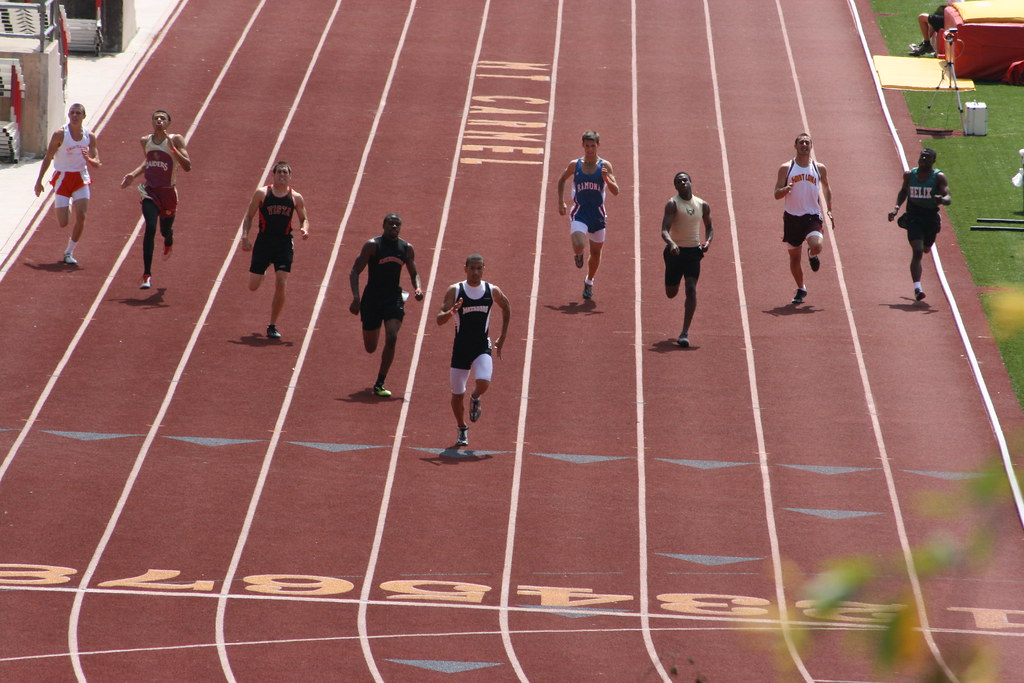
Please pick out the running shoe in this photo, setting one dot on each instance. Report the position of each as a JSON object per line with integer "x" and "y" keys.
{"x": 463, "y": 439}
{"x": 474, "y": 409}
{"x": 588, "y": 291}
{"x": 272, "y": 332}
{"x": 69, "y": 259}
{"x": 379, "y": 390}
{"x": 919, "y": 294}
{"x": 683, "y": 341}
{"x": 798, "y": 298}
{"x": 579, "y": 260}
{"x": 814, "y": 261}
{"x": 146, "y": 282}
{"x": 167, "y": 252}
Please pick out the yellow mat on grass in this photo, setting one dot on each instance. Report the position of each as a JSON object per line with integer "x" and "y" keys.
{"x": 991, "y": 11}
{"x": 915, "y": 73}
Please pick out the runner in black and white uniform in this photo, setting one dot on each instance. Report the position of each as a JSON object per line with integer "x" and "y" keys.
{"x": 470, "y": 302}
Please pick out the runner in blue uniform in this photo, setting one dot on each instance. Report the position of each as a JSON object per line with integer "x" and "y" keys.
{"x": 275, "y": 204}
{"x": 470, "y": 303}
{"x": 383, "y": 302}
{"x": 591, "y": 175}
{"x": 925, "y": 188}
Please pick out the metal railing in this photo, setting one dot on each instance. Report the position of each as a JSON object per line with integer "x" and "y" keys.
{"x": 33, "y": 19}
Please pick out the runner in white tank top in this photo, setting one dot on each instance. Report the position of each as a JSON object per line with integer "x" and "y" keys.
{"x": 72, "y": 150}
{"x": 802, "y": 182}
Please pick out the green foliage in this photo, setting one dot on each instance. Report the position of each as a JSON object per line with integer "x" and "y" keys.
{"x": 979, "y": 169}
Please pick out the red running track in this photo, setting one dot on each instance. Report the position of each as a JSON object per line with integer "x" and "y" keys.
{"x": 186, "y": 500}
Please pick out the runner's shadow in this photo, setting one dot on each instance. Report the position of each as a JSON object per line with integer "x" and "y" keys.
{"x": 258, "y": 340}
{"x": 912, "y": 306}
{"x": 670, "y": 345}
{"x": 576, "y": 308}
{"x": 453, "y": 456}
{"x": 58, "y": 267}
{"x": 367, "y": 396}
{"x": 791, "y": 309}
{"x": 154, "y": 300}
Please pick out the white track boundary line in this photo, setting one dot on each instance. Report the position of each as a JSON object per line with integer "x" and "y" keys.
{"x": 638, "y": 363}
{"x": 869, "y": 400}
{"x": 144, "y": 450}
{"x": 300, "y": 360}
{"x": 986, "y": 397}
{"x": 762, "y": 451}
{"x": 103, "y": 117}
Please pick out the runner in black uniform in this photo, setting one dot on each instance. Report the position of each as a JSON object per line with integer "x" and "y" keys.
{"x": 383, "y": 300}
{"x": 470, "y": 302}
{"x": 275, "y": 204}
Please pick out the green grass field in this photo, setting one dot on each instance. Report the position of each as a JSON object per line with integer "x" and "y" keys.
{"x": 979, "y": 169}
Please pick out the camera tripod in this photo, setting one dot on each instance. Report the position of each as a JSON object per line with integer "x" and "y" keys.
{"x": 949, "y": 74}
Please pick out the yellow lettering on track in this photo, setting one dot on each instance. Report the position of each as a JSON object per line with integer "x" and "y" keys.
{"x": 156, "y": 579}
{"x": 297, "y": 584}
{"x": 994, "y": 619}
{"x": 445, "y": 591}
{"x": 553, "y": 596}
{"x": 715, "y": 604}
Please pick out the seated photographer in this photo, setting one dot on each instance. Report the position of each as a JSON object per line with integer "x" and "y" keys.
{"x": 930, "y": 25}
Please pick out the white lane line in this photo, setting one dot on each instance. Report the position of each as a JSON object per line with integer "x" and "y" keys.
{"x": 531, "y": 330}
{"x": 638, "y": 362}
{"x": 871, "y": 406}
{"x": 748, "y": 345}
{"x": 166, "y": 21}
{"x": 986, "y": 397}
{"x": 378, "y": 538}
{"x": 73, "y": 344}
{"x": 172, "y": 386}
{"x": 300, "y": 361}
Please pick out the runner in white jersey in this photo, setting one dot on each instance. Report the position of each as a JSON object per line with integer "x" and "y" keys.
{"x": 801, "y": 182}
{"x": 72, "y": 150}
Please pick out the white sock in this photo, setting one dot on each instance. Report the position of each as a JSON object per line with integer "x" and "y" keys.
{"x": 71, "y": 247}
{"x": 588, "y": 282}
{"x": 917, "y": 286}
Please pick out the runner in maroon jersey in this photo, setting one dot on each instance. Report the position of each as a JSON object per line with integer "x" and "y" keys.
{"x": 164, "y": 153}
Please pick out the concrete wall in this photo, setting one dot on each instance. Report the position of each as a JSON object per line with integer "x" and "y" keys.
{"x": 119, "y": 25}
{"x": 42, "y": 110}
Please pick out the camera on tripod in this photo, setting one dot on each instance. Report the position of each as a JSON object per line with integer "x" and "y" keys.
{"x": 950, "y": 35}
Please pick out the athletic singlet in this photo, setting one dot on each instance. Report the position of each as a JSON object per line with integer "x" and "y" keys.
{"x": 588, "y": 195}
{"x": 71, "y": 154}
{"x": 472, "y": 322}
{"x": 276, "y": 214}
{"x": 385, "y": 266}
{"x": 685, "y": 228}
{"x": 920, "y": 196}
{"x": 160, "y": 167}
{"x": 803, "y": 198}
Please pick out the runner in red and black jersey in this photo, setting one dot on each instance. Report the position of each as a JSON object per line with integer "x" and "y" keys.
{"x": 276, "y": 204}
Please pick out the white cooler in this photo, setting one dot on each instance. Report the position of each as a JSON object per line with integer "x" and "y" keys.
{"x": 976, "y": 119}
